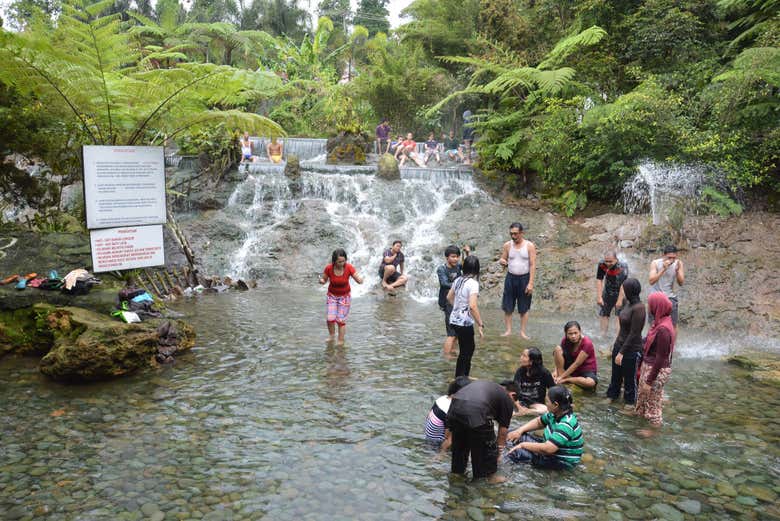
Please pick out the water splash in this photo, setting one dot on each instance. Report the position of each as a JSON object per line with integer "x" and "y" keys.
{"x": 371, "y": 213}
{"x": 658, "y": 187}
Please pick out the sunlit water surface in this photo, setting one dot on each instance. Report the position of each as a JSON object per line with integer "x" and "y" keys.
{"x": 262, "y": 420}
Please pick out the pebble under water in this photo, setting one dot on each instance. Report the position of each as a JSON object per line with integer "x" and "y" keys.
{"x": 262, "y": 420}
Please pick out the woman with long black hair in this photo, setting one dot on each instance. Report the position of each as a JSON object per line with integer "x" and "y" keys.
{"x": 532, "y": 379}
{"x": 465, "y": 313}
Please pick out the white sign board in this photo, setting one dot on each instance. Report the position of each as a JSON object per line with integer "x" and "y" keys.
{"x": 124, "y": 186}
{"x": 127, "y": 248}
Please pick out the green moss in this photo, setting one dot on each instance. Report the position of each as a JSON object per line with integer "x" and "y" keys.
{"x": 24, "y": 331}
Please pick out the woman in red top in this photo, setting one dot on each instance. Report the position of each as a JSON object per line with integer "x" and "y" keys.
{"x": 338, "y": 273}
{"x": 657, "y": 360}
{"x": 575, "y": 358}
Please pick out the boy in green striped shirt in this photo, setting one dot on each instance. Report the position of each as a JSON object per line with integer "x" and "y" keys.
{"x": 562, "y": 445}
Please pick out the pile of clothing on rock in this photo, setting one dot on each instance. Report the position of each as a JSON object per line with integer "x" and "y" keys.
{"x": 76, "y": 282}
{"x": 134, "y": 305}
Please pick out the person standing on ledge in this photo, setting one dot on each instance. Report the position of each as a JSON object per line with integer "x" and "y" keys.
{"x": 519, "y": 256}
{"x": 470, "y": 420}
{"x": 339, "y": 299}
{"x": 610, "y": 274}
{"x": 664, "y": 272}
{"x": 392, "y": 269}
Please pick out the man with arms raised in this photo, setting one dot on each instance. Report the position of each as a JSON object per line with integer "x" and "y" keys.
{"x": 664, "y": 272}
{"x": 519, "y": 256}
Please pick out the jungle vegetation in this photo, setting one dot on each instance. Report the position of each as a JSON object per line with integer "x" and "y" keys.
{"x": 570, "y": 94}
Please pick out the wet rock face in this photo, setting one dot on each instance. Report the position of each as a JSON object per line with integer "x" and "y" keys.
{"x": 387, "y": 168}
{"x": 89, "y": 347}
{"x": 348, "y": 148}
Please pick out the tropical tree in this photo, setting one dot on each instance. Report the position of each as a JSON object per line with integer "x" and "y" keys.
{"x": 85, "y": 71}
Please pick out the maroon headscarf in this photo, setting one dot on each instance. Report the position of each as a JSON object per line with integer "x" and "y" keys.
{"x": 661, "y": 308}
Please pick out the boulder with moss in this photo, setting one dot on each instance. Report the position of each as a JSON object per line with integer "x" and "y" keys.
{"x": 88, "y": 346}
{"x": 387, "y": 168}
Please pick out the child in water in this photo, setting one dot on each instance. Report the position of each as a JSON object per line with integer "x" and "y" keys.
{"x": 562, "y": 445}
{"x": 435, "y": 429}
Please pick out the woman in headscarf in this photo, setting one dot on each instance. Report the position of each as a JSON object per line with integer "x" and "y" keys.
{"x": 657, "y": 360}
{"x": 628, "y": 345}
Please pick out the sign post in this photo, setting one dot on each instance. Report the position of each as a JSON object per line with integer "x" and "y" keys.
{"x": 124, "y": 194}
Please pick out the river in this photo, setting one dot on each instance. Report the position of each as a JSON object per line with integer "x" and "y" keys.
{"x": 263, "y": 420}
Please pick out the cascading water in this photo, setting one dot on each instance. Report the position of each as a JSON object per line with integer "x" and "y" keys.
{"x": 658, "y": 187}
{"x": 370, "y": 212}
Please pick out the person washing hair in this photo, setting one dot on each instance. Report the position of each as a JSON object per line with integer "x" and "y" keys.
{"x": 562, "y": 444}
{"x": 436, "y": 431}
{"x": 628, "y": 345}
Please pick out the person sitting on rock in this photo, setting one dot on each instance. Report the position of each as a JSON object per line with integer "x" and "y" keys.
{"x": 275, "y": 151}
{"x": 392, "y": 268}
{"x": 246, "y": 149}
{"x": 409, "y": 149}
{"x": 452, "y": 147}
{"x": 432, "y": 149}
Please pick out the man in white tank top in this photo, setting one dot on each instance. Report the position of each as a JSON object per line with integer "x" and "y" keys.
{"x": 664, "y": 272}
{"x": 519, "y": 256}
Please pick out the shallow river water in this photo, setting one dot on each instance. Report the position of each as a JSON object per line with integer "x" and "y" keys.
{"x": 262, "y": 420}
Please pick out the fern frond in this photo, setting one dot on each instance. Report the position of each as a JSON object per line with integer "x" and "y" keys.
{"x": 567, "y": 46}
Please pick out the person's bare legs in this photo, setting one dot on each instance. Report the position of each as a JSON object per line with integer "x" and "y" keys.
{"x": 535, "y": 409}
{"x": 342, "y": 333}
{"x": 401, "y": 281}
{"x": 558, "y": 358}
{"x": 604, "y": 323}
{"x": 580, "y": 381}
{"x": 507, "y": 324}
{"x": 523, "y": 323}
{"x": 389, "y": 270}
{"x": 331, "y": 331}
{"x": 449, "y": 345}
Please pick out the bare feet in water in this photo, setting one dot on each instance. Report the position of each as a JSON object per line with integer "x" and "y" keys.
{"x": 507, "y": 332}
{"x": 524, "y": 336}
{"x": 646, "y": 433}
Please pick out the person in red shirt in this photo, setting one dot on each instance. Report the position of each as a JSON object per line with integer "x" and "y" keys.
{"x": 575, "y": 358}
{"x": 408, "y": 148}
{"x": 339, "y": 299}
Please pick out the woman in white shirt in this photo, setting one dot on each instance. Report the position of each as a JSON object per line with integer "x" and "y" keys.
{"x": 465, "y": 313}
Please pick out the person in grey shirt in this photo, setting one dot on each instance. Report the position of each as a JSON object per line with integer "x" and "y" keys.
{"x": 664, "y": 272}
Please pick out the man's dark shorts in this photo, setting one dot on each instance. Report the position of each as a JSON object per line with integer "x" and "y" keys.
{"x": 392, "y": 278}
{"x": 609, "y": 304}
{"x": 449, "y": 327}
{"x": 514, "y": 294}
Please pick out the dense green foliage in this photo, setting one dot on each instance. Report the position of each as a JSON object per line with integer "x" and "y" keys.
{"x": 572, "y": 94}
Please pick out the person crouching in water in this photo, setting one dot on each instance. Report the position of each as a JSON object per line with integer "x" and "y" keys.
{"x": 532, "y": 379}
{"x": 436, "y": 431}
{"x": 657, "y": 361}
{"x": 562, "y": 445}
{"x": 339, "y": 300}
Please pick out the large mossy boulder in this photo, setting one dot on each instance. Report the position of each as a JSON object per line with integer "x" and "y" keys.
{"x": 348, "y": 148}
{"x": 88, "y": 346}
{"x": 760, "y": 366}
{"x": 387, "y": 168}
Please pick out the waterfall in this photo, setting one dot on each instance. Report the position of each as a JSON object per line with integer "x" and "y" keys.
{"x": 371, "y": 213}
{"x": 658, "y": 187}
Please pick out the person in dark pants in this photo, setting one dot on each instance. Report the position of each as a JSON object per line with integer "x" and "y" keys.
{"x": 465, "y": 313}
{"x": 628, "y": 345}
{"x": 470, "y": 420}
{"x": 447, "y": 274}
